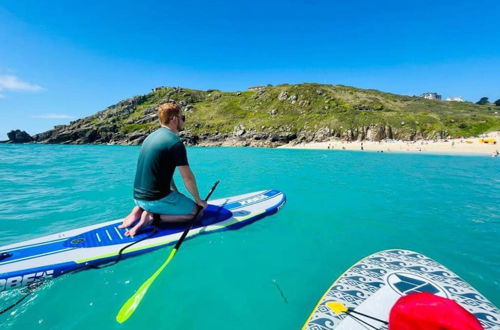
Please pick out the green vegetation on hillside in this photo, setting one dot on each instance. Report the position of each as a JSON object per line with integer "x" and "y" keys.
{"x": 309, "y": 107}
{"x": 299, "y": 110}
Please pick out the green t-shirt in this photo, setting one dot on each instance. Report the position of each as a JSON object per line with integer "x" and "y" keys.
{"x": 162, "y": 151}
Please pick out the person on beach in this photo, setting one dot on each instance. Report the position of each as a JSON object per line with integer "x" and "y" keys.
{"x": 154, "y": 188}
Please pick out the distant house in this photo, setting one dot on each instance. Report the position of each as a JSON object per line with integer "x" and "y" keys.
{"x": 455, "y": 99}
{"x": 431, "y": 96}
{"x": 158, "y": 88}
{"x": 256, "y": 88}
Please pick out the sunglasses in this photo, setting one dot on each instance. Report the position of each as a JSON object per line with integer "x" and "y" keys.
{"x": 183, "y": 117}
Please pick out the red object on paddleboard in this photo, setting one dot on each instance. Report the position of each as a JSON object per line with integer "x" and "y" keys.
{"x": 425, "y": 311}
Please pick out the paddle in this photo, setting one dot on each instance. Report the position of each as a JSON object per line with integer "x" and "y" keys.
{"x": 338, "y": 307}
{"x": 133, "y": 302}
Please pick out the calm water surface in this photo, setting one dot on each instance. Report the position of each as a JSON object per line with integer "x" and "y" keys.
{"x": 342, "y": 206}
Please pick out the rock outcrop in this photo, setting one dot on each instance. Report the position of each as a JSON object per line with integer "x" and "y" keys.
{"x": 18, "y": 136}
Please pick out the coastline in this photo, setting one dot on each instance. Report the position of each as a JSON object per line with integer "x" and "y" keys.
{"x": 463, "y": 146}
{"x": 460, "y": 146}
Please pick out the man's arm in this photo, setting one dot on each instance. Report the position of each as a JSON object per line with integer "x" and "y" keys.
{"x": 190, "y": 184}
{"x": 173, "y": 187}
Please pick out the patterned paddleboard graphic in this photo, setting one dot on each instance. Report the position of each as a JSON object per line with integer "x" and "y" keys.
{"x": 374, "y": 284}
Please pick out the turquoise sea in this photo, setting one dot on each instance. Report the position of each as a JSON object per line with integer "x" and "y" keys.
{"x": 342, "y": 206}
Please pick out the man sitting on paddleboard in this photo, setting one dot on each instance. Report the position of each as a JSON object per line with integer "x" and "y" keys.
{"x": 154, "y": 189}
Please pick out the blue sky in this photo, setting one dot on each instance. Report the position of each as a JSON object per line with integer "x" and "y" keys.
{"x": 63, "y": 60}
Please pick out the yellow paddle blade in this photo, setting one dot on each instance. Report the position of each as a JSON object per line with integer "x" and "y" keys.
{"x": 133, "y": 302}
{"x": 336, "y": 307}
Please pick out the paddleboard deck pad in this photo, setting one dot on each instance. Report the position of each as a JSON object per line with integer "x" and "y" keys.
{"x": 35, "y": 260}
{"x": 374, "y": 284}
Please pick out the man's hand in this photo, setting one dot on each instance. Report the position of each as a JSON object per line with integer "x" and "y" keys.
{"x": 202, "y": 203}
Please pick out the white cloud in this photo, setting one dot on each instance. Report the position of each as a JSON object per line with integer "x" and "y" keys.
{"x": 53, "y": 116}
{"x": 13, "y": 83}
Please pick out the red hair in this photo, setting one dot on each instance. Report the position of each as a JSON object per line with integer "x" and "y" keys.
{"x": 167, "y": 111}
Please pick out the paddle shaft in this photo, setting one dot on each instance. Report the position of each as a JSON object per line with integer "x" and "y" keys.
{"x": 351, "y": 311}
{"x": 361, "y": 321}
{"x": 190, "y": 225}
{"x": 338, "y": 307}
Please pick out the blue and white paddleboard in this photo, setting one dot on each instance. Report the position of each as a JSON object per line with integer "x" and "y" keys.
{"x": 374, "y": 284}
{"x": 35, "y": 260}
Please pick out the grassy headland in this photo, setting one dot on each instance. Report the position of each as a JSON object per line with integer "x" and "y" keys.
{"x": 275, "y": 115}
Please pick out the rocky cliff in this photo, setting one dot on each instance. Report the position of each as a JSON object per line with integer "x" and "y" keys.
{"x": 275, "y": 115}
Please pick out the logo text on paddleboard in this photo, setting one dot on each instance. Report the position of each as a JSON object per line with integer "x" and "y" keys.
{"x": 77, "y": 240}
{"x": 252, "y": 200}
{"x": 20, "y": 281}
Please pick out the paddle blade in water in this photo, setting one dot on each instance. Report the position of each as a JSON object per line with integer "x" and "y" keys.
{"x": 133, "y": 302}
{"x": 336, "y": 307}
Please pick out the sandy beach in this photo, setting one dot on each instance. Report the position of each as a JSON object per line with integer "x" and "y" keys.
{"x": 463, "y": 146}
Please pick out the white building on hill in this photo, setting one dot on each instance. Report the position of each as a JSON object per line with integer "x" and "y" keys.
{"x": 256, "y": 88}
{"x": 431, "y": 96}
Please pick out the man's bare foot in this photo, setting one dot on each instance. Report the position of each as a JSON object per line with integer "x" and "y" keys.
{"x": 146, "y": 219}
{"x": 131, "y": 218}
